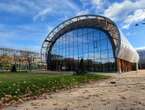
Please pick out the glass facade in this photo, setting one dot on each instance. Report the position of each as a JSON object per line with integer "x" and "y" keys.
{"x": 91, "y": 45}
{"x": 141, "y": 53}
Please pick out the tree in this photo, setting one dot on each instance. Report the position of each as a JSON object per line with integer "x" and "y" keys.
{"x": 6, "y": 62}
{"x": 27, "y": 59}
{"x": 13, "y": 69}
{"x": 81, "y": 68}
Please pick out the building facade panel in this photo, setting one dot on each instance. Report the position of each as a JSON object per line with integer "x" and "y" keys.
{"x": 126, "y": 51}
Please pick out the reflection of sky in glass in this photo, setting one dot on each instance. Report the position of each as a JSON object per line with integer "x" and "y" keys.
{"x": 86, "y": 43}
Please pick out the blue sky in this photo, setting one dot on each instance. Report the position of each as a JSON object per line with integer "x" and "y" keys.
{"x": 24, "y": 24}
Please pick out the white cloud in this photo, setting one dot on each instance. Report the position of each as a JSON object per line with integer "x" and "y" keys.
{"x": 23, "y": 36}
{"x": 140, "y": 48}
{"x": 137, "y": 16}
{"x": 38, "y": 9}
{"x": 70, "y": 5}
{"x": 97, "y": 2}
{"x": 85, "y": 3}
{"x": 11, "y": 7}
{"x": 83, "y": 12}
{"x": 117, "y": 10}
{"x": 126, "y": 12}
{"x": 97, "y": 6}
{"x": 42, "y": 14}
{"x": 93, "y": 4}
{"x": 31, "y": 35}
{"x": 65, "y": 7}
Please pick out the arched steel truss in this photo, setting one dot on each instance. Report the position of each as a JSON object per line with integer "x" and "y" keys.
{"x": 77, "y": 22}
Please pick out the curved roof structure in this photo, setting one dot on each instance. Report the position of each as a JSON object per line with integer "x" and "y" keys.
{"x": 123, "y": 48}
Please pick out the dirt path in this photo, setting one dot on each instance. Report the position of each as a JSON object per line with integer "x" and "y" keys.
{"x": 128, "y": 93}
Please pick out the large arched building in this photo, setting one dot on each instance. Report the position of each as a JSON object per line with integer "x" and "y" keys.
{"x": 95, "y": 40}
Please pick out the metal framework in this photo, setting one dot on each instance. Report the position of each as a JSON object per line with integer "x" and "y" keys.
{"x": 11, "y": 51}
{"x": 19, "y": 57}
{"x": 78, "y": 22}
{"x": 122, "y": 48}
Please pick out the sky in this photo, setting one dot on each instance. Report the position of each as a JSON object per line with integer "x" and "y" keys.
{"x": 24, "y": 24}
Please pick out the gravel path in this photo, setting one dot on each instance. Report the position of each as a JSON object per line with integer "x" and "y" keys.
{"x": 121, "y": 92}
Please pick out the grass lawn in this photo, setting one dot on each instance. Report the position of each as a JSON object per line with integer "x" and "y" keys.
{"x": 18, "y": 85}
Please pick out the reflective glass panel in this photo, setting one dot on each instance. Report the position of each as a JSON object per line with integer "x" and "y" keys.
{"x": 91, "y": 45}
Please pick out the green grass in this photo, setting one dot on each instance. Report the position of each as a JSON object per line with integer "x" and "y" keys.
{"x": 18, "y": 85}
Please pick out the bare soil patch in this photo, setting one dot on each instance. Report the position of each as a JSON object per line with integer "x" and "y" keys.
{"x": 124, "y": 91}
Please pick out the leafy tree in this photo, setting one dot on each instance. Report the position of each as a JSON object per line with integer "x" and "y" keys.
{"x": 6, "y": 62}
{"x": 13, "y": 69}
{"x": 81, "y": 68}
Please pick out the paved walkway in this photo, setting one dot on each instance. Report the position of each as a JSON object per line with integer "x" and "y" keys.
{"x": 122, "y": 92}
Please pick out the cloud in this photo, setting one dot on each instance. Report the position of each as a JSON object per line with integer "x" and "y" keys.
{"x": 140, "y": 48}
{"x": 126, "y": 12}
{"x": 11, "y": 7}
{"x": 92, "y": 2}
{"x": 97, "y": 2}
{"x": 117, "y": 10}
{"x": 137, "y": 16}
{"x": 29, "y": 35}
{"x": 95, "y": 6}
{"x": 38, "y": 9}
{"x": 23, "y": 36}
{"x": 33, "y": 19}
{"x": 42, "y": 14}
{"x": 65, "y": 7}
{"x": 83, "y": 12}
